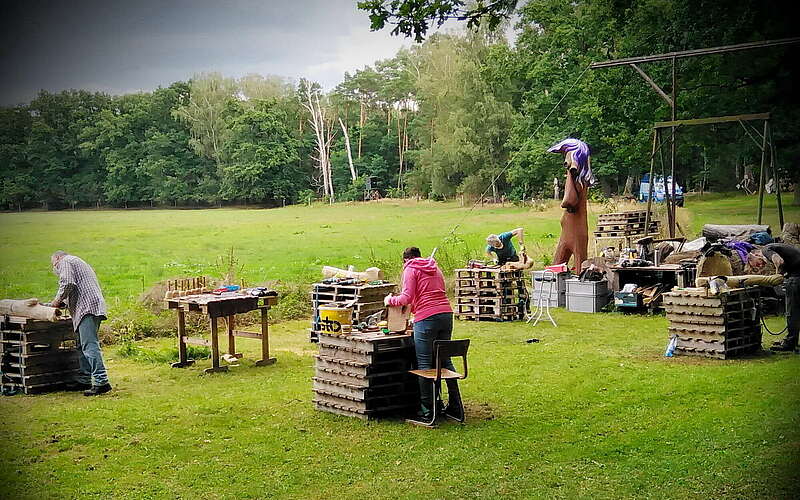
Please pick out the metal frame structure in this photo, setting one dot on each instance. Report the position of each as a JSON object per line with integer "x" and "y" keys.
{"x": 674, "y": 123}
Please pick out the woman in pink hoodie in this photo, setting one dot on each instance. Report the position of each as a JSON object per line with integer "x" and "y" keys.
{"x": 423, "y": 289}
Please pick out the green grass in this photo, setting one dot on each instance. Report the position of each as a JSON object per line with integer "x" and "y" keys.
{"x": 594, "y": 410}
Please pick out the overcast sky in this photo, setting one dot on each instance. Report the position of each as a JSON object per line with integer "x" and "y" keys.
{"x": 127, "y": 46}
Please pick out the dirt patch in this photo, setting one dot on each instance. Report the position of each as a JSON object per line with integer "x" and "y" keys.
{"x": 479, "y": 411}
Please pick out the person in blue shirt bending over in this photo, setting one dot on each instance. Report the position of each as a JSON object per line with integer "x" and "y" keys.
{"x": 502, "y": 247}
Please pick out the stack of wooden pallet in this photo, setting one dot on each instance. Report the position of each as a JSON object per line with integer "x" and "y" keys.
{"x": 625, "y": 225}
{"x": 715, "y": 326}
{"x": 365, "y": 299}
{"x": 490, "y": 294}
{"x": 365, "y": 375}
{"x": 36, "y": 356}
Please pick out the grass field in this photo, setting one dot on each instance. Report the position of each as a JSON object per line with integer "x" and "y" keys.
{"x": 593, "y": 410}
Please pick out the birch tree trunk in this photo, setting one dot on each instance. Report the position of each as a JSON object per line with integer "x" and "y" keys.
{"x": 399, "y": 150}
{"x": 353, "y": 173}
{"x": 361, "y": 120}
{"x": 324, "y": 137}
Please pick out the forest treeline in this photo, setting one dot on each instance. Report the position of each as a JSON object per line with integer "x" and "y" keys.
{"x": 459, "y": 114}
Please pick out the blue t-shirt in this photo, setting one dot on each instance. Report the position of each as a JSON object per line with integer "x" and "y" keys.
{"x": 508, "y": 249}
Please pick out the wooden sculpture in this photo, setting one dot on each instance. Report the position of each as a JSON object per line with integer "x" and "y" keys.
{"x": 574, "y": 239}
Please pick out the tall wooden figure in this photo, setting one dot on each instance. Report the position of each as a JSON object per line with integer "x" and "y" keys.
{"x": 574, "y": 239}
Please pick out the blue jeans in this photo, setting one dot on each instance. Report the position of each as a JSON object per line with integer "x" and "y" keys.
{"x": 89, "y": 355}
{"x": 436, "y": 327}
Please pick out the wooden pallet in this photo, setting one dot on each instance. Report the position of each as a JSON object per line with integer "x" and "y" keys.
{"x": 360, "y": 368}
{"x": 718, "y": 326}
{"x": 486, "y": 300}
{"x": 728, "y": 353}
{"x": 627, "y": 233}
{"x": 627, "y": 226}
{"x": 489, "y": 273}
{"x": 345, "y": 410}
{"x": 365, "y": 300}
{"x": 487, "y": 293}
{"x": 489, "y": 317}
{"x": 37, "y": 356}
{"x": 623, "y": 216}
{"x": 336, "y": 375}
{"x": 376, "y": 404}
{"x": 497, "y": 310}
{"x": 367, "y": 342}
{"x": 356, "y": 391}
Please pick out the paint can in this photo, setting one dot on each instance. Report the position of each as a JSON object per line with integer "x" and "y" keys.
{"x": 335, "y": 319}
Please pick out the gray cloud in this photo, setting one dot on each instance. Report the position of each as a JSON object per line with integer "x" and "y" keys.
{"x": 120, "y": 47}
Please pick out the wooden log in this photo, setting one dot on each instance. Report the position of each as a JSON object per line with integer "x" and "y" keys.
{"x": 370, "y": 274}
{"x": 29, "y": 308}
{"x": 714, "y": 232}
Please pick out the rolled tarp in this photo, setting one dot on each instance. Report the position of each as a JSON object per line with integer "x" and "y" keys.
{"x": 714, "y": 232}
{"x": 29, "y": 308}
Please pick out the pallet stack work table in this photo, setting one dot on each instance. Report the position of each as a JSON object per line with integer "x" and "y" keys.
{"x": 365, "y": 375}
{"x": 490, "y": 294}
{"x": 36, "y": 355}
{"x": 624, "y": 226}
{"x": 221, "y": 306}
{"x": 721, "y": 326}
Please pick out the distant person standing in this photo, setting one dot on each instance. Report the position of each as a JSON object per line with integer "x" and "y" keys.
{"x": 79, "y": 289}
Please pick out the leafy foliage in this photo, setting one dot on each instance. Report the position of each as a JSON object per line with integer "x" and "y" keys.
{"x": 457, "y": 115}
{"x": 414, "y": 17}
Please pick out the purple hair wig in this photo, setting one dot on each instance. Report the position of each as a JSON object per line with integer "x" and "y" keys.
{"x": 581, "y": 152}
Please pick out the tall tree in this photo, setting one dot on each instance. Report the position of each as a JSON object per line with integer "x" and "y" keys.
{"x": 321, "y": 121}
{"x": 263, "y": 158}
{"x": 206, "y": 113}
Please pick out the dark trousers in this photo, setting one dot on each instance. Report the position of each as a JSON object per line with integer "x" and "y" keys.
{"x": 436, "y": 327}
{"x": 513, "y": 258}
{"x": 792, "y": 286}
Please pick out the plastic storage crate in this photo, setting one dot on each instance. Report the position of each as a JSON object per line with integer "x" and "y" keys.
{"x": 559, "y": 298}
{"x": 587, "y": 296}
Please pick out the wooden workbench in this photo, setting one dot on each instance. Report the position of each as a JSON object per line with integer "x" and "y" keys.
{"x": 221, "y": 306}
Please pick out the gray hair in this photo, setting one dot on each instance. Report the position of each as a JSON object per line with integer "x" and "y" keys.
{"x": 492, "y": 239}
{"x": 57, "y": 256}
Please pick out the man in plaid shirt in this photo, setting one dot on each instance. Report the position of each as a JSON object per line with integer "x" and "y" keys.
{"x": 78, "y": 287}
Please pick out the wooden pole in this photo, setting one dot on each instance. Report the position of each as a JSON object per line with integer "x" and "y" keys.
{"x": 761, "y": 173}
{"x": 650, "y": 184}
{"x": 215, "y": 367}
{"x": 671, "y": 197}
{"x": 775, "y": 176}
{"x": 231, "y": 337}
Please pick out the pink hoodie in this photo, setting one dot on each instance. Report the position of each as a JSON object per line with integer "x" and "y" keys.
{"x": 423, "y": 288}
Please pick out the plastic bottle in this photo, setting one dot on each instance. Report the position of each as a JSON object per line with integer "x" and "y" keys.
{"x": 673, "y": 342}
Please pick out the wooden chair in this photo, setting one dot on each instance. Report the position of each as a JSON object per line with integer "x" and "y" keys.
{"x": 443, "y": 350}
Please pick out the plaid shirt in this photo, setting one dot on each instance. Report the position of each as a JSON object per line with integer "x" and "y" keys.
{"x": 78, "y": 286}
